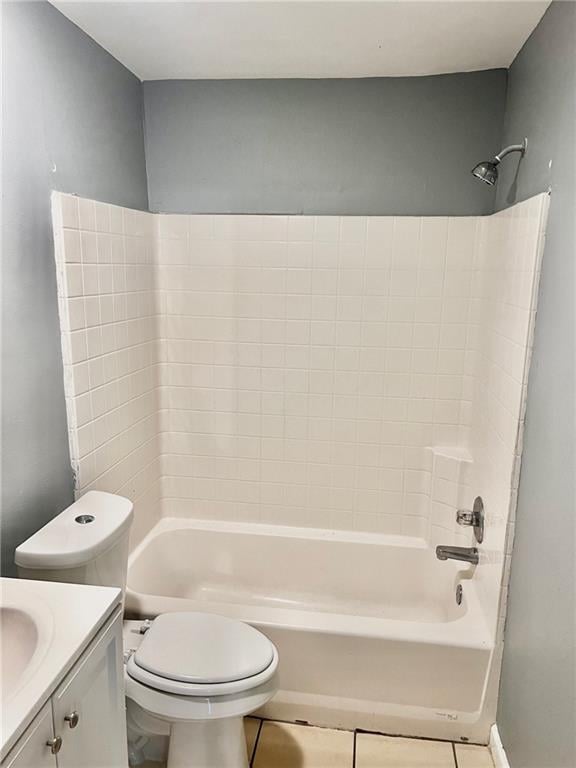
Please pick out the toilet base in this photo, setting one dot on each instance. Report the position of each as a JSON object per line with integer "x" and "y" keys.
{"x": 218, "y": 743}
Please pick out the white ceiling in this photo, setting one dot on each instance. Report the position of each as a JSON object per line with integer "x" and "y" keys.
{"x": 211, "y": 39}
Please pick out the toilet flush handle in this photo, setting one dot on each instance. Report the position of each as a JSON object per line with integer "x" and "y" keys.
{"x": 145, "y": 626}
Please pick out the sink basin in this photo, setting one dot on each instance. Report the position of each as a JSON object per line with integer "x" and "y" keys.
{"x": 19, "y": 643}
{"x": 26, "y": 626}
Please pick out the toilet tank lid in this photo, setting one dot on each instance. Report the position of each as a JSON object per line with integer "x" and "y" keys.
{"x": 77, "y": 535}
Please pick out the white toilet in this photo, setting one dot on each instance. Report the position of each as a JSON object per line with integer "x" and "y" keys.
{"x": 189, "y": 676}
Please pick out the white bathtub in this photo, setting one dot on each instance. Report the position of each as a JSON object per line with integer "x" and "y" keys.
{"x": 367, "y": 626}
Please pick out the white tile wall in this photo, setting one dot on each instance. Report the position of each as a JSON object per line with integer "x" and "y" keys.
{"x": 503, "y": 313}
{"x": 362, "y": 373}
{"x": 107, "y": 304}
{"x": 308, "y": 363}
{"x": 499, "y": 342}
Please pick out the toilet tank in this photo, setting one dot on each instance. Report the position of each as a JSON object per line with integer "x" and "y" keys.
{"x": 87, "y": 543}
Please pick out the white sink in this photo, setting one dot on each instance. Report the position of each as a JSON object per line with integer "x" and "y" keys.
{"x": 19, "y": 643}
{"x": 44, "y": 627}
{"x": 26, "y": 628}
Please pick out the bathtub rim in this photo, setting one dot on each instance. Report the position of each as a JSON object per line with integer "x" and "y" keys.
{"x": 168, "y": 523}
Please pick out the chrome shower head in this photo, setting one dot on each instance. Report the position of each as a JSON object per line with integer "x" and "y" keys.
{"x": 487, "y": 170}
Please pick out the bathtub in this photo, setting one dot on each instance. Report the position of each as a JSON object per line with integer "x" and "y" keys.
{"x": 367, "y": 626}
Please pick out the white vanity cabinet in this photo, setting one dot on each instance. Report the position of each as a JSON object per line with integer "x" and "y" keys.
{"x": 88, "y": 706}
{"x": 32, "y": 750}
{"x": 85, "y": 716}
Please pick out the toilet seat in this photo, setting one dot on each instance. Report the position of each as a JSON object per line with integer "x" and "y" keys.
{"x": 199, "y": 689}
{"x": 198, "y": 654}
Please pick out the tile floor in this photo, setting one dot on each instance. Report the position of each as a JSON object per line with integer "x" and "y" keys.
{"x": 283, "y": 745}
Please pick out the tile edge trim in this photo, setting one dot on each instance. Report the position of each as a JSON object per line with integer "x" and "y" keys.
{"x": 497, "y": 749}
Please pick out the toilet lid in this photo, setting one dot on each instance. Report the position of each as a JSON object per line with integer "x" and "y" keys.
{"x": 203, "y": 648}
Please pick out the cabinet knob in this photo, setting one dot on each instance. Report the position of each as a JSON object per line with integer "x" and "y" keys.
{"x": 55, "y": 744}
{"x": 72, "y": 719}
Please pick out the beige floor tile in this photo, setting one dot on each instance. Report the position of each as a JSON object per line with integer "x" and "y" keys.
{"x": 374, "y": 751}
{"x": 471, "y": 756}
{"x": 283, "y": 745}
{"x": 251, "y": 725}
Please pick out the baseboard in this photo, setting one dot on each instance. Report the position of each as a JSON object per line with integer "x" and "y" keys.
{"x": 498, "y": 754}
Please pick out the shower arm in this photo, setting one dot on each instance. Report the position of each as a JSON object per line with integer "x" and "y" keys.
{"x": 512, "y": 148}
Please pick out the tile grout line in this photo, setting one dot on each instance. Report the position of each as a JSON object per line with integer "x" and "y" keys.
{"x": 354, "y": 749}
{"x": 454, "y": 755}
{"x": 256, "y": 740}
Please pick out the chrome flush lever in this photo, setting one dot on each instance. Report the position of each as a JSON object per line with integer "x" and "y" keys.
{"x": 473, "y": 517}
{"x": 145, "y": 626}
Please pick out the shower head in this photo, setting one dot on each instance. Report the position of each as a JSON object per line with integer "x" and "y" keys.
{"x": 487, "y": 170}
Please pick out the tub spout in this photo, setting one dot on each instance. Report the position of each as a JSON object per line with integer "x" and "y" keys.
{"x": 466, "y": 554}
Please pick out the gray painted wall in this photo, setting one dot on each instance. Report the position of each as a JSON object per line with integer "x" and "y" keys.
{"x": 72, "y": 121}
{"x": 375, "y": 146}
{"x": 537, "y": 709}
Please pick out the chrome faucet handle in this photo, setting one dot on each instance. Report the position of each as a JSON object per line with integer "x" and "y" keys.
{"x": 473, "y": 517}
{"x": 465, "y": 517}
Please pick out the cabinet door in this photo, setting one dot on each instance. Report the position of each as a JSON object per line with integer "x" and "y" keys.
{"x": 32, "y": 751}
{"x": 88, "y": 706}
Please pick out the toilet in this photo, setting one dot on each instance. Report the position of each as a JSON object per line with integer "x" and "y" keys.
{"x": 189, "y": 676}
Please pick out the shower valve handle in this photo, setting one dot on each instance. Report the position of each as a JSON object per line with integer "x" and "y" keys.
{"x": 473, "y": 517}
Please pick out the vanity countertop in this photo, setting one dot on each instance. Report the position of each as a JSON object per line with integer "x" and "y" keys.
{"x": 44, "y": 628}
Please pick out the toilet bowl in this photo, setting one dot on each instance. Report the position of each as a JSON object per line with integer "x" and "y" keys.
{"x": 193, "y": 677}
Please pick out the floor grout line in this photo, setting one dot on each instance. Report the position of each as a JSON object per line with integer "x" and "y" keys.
{"x": 256, "y": 740}
{"x": 454, "y": 755}
{"x": 354, "y": 750}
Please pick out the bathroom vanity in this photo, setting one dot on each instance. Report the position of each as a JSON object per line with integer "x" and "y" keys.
{"x": 62, "y": 667}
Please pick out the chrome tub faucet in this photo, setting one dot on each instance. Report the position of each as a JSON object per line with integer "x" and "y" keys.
{"x": 465, "y": 554}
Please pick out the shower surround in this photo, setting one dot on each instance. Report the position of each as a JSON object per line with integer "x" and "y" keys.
{"x": 344, "y": 379}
